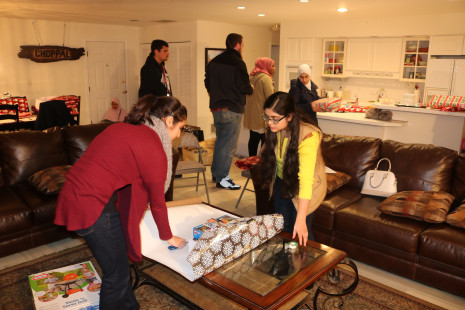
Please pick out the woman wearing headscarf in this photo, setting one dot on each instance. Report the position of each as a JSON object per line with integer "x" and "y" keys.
{"x": 115, "y": 112}
{"x": 106, "y": 192}
{"x": 261, "y": 79}
{"x": 303, "y": 90}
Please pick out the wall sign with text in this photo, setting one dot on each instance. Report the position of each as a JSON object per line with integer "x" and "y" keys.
{"x": 50, "y": 53}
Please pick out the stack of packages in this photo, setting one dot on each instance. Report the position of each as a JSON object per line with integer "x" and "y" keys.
{"x": 221, "y": 240}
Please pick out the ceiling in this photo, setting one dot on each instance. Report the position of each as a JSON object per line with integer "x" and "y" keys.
{"x": 150, "y": 12}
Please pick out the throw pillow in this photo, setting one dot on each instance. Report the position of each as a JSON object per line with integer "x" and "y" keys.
{"x": 457, "y": 217}
{"x": 428, "y": 206}
{"x": 50, "y": 180}
{"x": 336, "y": 180}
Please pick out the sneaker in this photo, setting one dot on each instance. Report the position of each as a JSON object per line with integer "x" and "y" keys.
{"x": 227, "y": 183}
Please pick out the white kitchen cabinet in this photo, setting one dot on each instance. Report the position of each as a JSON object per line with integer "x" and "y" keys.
{"x": 293, "y": 49}
{"x": 415, "y": 59}
{"x": 445, "y": 77}
{"x": 300, "y": 50}
{"x": 374, "y": 57}
{"x": 359, "y": 54}
{"x": 447, "y": 45}
{"x": 334, "y": 53}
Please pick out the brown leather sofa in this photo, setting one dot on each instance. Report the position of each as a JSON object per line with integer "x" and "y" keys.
{"x": 433, "y": 254}
{"x": 26, "y": 215}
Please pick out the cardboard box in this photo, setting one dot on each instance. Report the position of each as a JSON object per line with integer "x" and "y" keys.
{"x": 73, "y": 287}
{"x": 199, "y": 230}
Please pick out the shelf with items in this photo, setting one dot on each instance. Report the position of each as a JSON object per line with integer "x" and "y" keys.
{"x": 415, "y": 60}
{"x": 334, "y": 52}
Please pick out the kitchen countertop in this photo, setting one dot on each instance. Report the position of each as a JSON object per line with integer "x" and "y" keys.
{"x": 358, "y": 118}
{"x": 415, "y": 110}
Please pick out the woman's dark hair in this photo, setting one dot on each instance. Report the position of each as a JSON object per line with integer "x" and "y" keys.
{"x": 157, "y": 106}
{"x": 283, "y": 104}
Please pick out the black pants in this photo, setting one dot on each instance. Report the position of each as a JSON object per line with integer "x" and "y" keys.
{"x": 254, "y": 139}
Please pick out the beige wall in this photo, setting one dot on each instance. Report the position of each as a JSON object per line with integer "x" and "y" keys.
{"x": 24, "y": 77}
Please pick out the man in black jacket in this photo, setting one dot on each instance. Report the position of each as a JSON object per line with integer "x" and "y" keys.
{"x": 153, "y": 76}
{"x": 227, "y": 83}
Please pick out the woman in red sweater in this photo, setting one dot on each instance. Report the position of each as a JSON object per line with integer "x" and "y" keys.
{"x": 106, "y": 192}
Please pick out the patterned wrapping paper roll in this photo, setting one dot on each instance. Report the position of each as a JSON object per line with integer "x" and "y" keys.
{"x": 231, "y": 240}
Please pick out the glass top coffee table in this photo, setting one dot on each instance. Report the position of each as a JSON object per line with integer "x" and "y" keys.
{"x": 269, "y": 276}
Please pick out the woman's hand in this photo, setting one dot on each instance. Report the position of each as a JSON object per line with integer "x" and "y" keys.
{"x": 177, "y": 242}
{"x": 300, "y": 229}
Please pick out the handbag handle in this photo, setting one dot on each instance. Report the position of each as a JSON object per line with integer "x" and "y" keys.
{"x": 381, "y": 182}
{"x": 377, "y": 165}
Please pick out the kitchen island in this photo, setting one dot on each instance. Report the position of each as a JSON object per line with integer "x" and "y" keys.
{"x": 409, "y": 125}
{"x": 427, "y": 126}
{"x": 355, "y": 124}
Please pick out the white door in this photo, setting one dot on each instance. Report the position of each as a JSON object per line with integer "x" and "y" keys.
{"x": 106, "y": 66}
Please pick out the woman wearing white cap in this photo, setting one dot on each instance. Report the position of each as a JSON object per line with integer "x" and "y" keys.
{"x": 303, "y": 90}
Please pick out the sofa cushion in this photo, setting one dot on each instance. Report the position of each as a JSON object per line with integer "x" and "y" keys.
{"x": 425, "y": 206}
{"x": 15, "y": 215}
{"x": 351, "y": 155}
{"x": 363, "y": 221}
{"x": 25, "y": 152}
{"x": 42, "y": 207}
{"x": 77, "y": 139}
{"x": 443, "y": 243}
{"x": 457, "y": 217}
{"x": 336, "y": 180}
{"x": 422, "y": 167}
{"x": 324, "y": 214}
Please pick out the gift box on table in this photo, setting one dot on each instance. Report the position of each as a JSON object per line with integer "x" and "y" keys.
{"x": 232, "y": 241}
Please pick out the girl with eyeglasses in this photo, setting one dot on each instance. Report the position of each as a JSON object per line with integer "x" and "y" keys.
{"x": 292, "y": 164}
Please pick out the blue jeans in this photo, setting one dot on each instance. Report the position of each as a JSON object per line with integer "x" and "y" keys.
{"x": 228, "y": 125}
{"x": 285, "y": 207}
{"x": 108, "y": 244}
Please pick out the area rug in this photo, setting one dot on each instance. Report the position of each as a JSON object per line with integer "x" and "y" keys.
{"x": 15, "y": 292}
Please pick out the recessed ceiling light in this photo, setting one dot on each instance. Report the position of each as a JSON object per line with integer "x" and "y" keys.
{"x": 304, "y": 0}
{"x": 241, "y": 7}
{"x": 261, "y": 14}
{"x": 342, "y": 10}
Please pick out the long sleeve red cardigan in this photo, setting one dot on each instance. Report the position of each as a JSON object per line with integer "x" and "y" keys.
{"x": 126, "y": 158}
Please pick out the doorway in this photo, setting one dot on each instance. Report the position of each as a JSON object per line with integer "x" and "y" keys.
{"x": 106, "y": 67}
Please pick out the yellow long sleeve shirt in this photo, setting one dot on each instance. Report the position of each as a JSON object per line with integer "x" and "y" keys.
{"x": 307, "y": 159}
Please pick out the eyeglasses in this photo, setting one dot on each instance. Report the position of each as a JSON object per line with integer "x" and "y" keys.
{"x": 272, "y": 120}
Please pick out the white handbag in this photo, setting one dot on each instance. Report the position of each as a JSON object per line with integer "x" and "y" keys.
{"x": 380, "y": 182}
